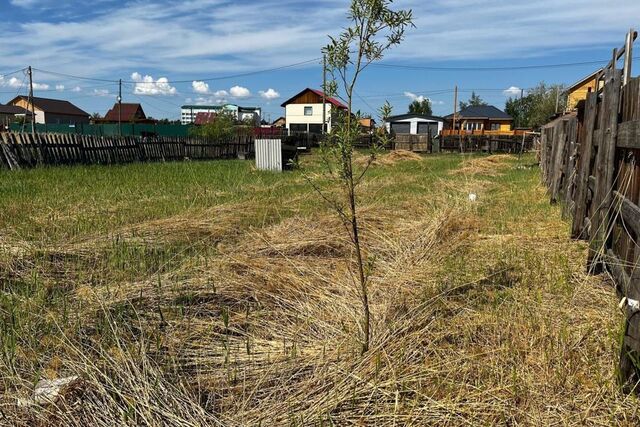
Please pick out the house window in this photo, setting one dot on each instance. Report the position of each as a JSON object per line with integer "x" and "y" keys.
{"x": 315, "y": 128}
{"x": 308, "y": 111}
{"x": 298, "y": 127}
{"x": 495, "y": 126}
{"x": 471, "y": 126}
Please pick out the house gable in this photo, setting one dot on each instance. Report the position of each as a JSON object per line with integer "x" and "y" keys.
{"x": 130, "y": 113}
{"x": 312, "y": 96}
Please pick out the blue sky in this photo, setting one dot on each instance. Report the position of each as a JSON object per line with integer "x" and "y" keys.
{"x": 163, "y": 50}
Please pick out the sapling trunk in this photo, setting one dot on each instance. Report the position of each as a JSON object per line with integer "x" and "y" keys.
{"x": 375, "y": 29}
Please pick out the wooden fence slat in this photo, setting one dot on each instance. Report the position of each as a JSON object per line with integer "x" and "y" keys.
{"x": 584, "y": 167}
{"x": 604, "y": 178}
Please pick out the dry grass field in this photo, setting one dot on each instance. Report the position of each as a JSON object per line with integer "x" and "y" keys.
{"x": 209, "y": 293}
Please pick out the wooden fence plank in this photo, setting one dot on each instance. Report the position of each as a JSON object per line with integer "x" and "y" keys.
{"x": 584, "y": 167}
{"x": 606, "y": 166}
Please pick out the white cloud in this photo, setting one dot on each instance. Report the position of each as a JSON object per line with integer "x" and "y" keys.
{"x": 13, "y": 82}
{"x": 101, "y": 92}
{"x": 200, "y": 87}
{"x": 512, "y": 91}
{"x": 76, "y": 89}
{"x": 148, "y": 86}
{"x": 17, "y": 83}
{"x": 24, "y": 3}
{"x": 413, "y": 97}
{"x": 210, "y": 100}
{"x": 240, "y": 92}
{"x": 59, "y": 88}
{"x": 269, "y": 94}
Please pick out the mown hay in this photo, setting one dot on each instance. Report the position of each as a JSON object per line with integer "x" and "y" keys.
{"x": 472, "y": 325}
{"x": 487, "y": 166}
{"x": 388, "y": 159}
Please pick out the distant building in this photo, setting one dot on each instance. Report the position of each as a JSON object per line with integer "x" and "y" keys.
{"x": 188, "y": 113}
{"x": 280, "y": 122}
{"x": 205, "y": 118}
{"x": 481, "y": 119}
{"x": 303, "y": 112}
{"x": 415, "y": 124}
{"x": 367, "y": 125}
{"x": 52, "y": 111}
{"x": 249, "y": 113}
{"x": 131, "y": 113}
{"x": 579, "y": 90}
{"x": 10, "y": 113}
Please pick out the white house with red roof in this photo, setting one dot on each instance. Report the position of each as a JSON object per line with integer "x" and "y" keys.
{"x": 303, "y": 112}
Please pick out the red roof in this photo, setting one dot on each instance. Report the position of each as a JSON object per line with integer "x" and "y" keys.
{"x": 205, "y": 118}
{"x": 130, "y": 113}
{"x": 330, "y": 100}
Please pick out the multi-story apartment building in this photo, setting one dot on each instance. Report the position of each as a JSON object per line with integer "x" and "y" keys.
{"x": 188, "y": 113}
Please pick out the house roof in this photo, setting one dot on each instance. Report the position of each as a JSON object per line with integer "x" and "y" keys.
{"x": 249, "y": 109}
{"x": 486, "y": 112}
{"x": 330, "y": 100}
{"x": 583, "y": 80}
{"x": 53, "y": 106}
{"x": 13, "y": 109}
{"x": 205, "y": 118}
{"x": 414, "y": 116}
{"x": 129, "y": 111}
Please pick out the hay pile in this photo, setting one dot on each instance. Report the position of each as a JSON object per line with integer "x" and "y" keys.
{"x": 388, "y": 159}
{"x": 487, "y": 166}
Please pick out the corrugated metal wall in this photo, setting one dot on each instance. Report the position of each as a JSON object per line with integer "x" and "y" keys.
{"x": 269, "y": 154}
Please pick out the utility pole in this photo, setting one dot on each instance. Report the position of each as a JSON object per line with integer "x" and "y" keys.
{"x": 455, "y": 106}
{"x": 455, "y": 113}
{"x": 33, "y": 113}
{"x": 324, "y": 95}
{"x": 120, "y": 107}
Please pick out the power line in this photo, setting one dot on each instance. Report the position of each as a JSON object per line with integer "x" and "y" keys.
{"x": 373, "y": 110}
{"x": 231, "y": 76}
{"x": 68, "y": 89}
{"x": 73, "y": 77}
{"x": 505, "y": 68}
{"x": 12, "y": 72}
{"x": 251, "y": 73}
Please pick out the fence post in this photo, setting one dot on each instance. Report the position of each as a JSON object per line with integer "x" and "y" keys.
{"x": 584, "y": 167}
{"x": 605, "y": 167}
{"x": 569, "y": 171}
{"x": 557, "y": 158}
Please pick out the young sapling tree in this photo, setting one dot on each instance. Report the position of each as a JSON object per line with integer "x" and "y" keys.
{"x": 375, "y": 28}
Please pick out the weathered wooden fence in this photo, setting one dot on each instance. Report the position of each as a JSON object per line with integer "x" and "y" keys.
{"x": 589, "y": 162}
{"x": 18, "y": 150}
{"x": 487, "y": 143}
{"x": 417, "y": 143}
